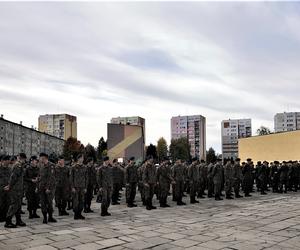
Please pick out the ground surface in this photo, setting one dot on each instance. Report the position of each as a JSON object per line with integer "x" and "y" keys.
{"x": 259, "y": 222}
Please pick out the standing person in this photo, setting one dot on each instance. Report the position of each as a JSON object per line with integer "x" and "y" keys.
{"x": 217, "y": 175}
{"x": 202, "y": 179}
{"x": 164, "y": 180}
{"x": 228, "y": 176}
{"x": 5, "y": 172}
{"x": 15, "y": 189}
{"x": 262, "y": 176}
{"x": 91, "y": 182}
{"x": 62, "y": 175}
{"x": 193, "y": 176}
{"x": 178, "y": 171}
{"x": 78, "y": 178}
{"x": 105, "y": 183}
{"x": 283, "y": 176}
{"x": 131, "y": 179}
{"x": 274, "y": 176}
{"x": 46, "y": 187}
{"x": 210, "y": 180}
{"x": 117, "y": 182}
{"x": 31, "y": 179}
{"x": 247, "y": 178}
{"x": 141, "y": 188}
{"x": 149, "y": 180}
{"x": 237, "y": 178}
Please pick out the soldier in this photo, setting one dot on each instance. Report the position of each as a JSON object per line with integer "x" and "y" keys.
{"x": 202, "y": 179}
{"x": 178, "y": 177}
{"x": 15, "y": 189}
{"x": 131, "y": 179}
{"x": 141, "y": 184}
{"x": 78, "y": 178}
{"x": 274, "y": 176}
{"x": 283, "y": 176}
{"x": 91, "y": 182}
{"x": 62, "y": 176}
{"x": 105, "y": 183}
{"x": 247, "y": 178}
{"x": 31, "y": 179}
{"x": 149, "y": 180}
{"x": 262, "y": 176}
{"x": 117, "y": 183}
{"x": 228, "y": 176}
{"x": 164, "y": 180}
{"x": 46, "y": 187}
{"x": 5, "y": 172}
{"x": 210, "y": 181}
{"x": 193, "y": 176}
{"x": 257, "y": 173}
{"x": 237, "y": 176}
{"x": 217, "y": 175}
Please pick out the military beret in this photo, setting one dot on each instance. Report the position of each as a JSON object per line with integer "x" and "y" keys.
{"x": 249, "y": 159}
{"x": 276, "y": 162}
{"x": 43, "y": 155}
{"x": 79, "y": 156}
{"x": 115, "y": 160}
{"x": 6, "y": 158}
{"x": 33, "y": 158}
{"x": 22, "y": 155}
{"x": 132, "y": 158}
{"x": 13, "y": 158}
{"x": 194, "y": 159}
{"x": 106, "y": 158}
{"x": 237, "y": 159}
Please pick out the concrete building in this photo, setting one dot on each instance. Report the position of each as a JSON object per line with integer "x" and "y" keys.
{"x": 231, "y": 131}
{"x": 278, "y": 146}
{"x": 287, "y": 121}
{"x": 125, "y": 141}
{"x": 194, "y": 129}
{"x": 59, "y": 125}
{"x": 16, "y": 138}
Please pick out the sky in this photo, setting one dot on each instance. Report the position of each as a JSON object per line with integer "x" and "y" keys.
{"x": 156, "y": 60}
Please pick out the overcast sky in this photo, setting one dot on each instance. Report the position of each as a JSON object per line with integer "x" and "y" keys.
{"x": 155, "y": 60}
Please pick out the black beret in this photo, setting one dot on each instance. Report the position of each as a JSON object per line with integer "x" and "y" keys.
{"x": 33, "y": 158}
{"x": 195, "y": 159}
{"x": 237, "y": 159}
{"x": 276, "y": 162}
{"x": 6, "y": 158}
{"x": 106, "y": 158}
{"x": 249, "y": 159}
{"x": 43, "y": 155}
{"x": 22, "y": 156}
{"x": 132, "y": 158}
{"x": 79, "y": 156}
{"x": 115, "y": 160}
{"x": 13, "y": 158}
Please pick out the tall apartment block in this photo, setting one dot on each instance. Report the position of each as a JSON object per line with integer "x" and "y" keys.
{"x": 287, "y": 121}
{"x": 60, "y": 125}
{"x": 194, "y": 129}
{"x": 232, "y": 130}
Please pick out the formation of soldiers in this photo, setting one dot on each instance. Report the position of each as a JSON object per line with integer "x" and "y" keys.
{"x": 73, "y": 185}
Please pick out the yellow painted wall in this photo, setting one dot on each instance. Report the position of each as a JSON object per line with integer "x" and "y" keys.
{"x": 70, "y": 129}
{"x": 280, "y": 146}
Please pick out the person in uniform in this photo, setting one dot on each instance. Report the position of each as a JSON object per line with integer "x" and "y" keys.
{"x": 131, "y": 179}
{"x": 105, "y": 183}
{"x": 202, "y": 179}
{"x": 247, "y": 178}
{"x": 117, "y": 182}
{"x": 5, "y": 172}
{"x": 62, "y": 176}
{"x": 274, "y": 176}
{"x": 46, "y": 187}
{"x": 262, "y": 176}
{"x": 164, "y": 180}
{"x": 91, "y": 182}
{"x": 15, "y": 188}
{"x": 140, "y": 171}
{"x": 193, "y": 176}
{"x": 178, "y": 171}
{"x": 217, "y": 175}
{"x": 149, "y": 181}
{"x": 237, "y": 177}
{"x": 31, "y": 179}
{"x": 210, "y": 181}
{"x": 283, "y": 177}
{"x": 78, "y": 179}
{"x": 228, "y": 176}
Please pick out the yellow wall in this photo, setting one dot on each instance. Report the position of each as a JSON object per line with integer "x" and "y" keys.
{"x": 70, "y": 129}
{"x": 280, "y": 146}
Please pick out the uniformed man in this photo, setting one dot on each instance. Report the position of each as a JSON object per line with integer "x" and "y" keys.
{"x": 210, "y": 181}
{"x": 131, "y": 180}
{"x": 164, "y": 180}
{"x": 141, "y": 188}
{"x": 5, "y": 172}
{"x": 217, "y": 175}
{"x": 247, "y": 178}
{"x": 105, "y": 183}
{"x": 62, "y": 186}
{"x": 228, "y": 176}
{"x": 237, "y": 177}
{"x": 274, "y": 176}
{"x": 46, "y": 187}
{"x": 31, "y": 179}
{"x": 15, "y": 189}
{"x": 262, "y": 176}
{"x": 178, "y": 180}
{"x": 78, "y": 178}
{"x": 283, "y": 176}
{"x": 117, "y": 182}
{"x": 202, "y": 179}
{"x": 91, "y": 182}
{"x": 149, "y": 181}
{"x": 193, "y": 176}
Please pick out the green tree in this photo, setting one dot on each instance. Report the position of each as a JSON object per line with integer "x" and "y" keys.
{"x": 151, "y": 151}
{"x": 211, "y": 155}
{"x": 72, "y": 148}
{"x": 180, "y": 149}
{"x": 90, "y": 152}
{"x": 102, "y": 146}
{"x": 162, "y": 149}
{"x": 263, "y": 131}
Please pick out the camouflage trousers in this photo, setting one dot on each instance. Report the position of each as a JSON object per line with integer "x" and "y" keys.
{"x": 178, "y": 190}
{"x": 88, "y": 196}
{"x": 106, "y": 198}
{"x": 217, "y": 189}
{"x": 236, "y": 186}
{"x": 163, "y": 191}
{"x": 4, "y": 204}
{"x": 193, "y": 189}
{"x": 78, "y": 200}
{"x": 142, "y": 191}
{"x": 15, "y": 203}
{"x": 33, "y": 199}
{"x": 130, "y": 192}
{"x": 149, "y": 192}
{"x": 46, "y": 201}
{"x": 61, "y": 197}
{"x": 228, "y": 187}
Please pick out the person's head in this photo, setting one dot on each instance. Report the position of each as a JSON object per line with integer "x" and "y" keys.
{"x": 80, "y": 159}
{"x": 115, "y": 161}
{"x": 43, "y": 158}
{"x": 131, "y": 160}
{"x": 238, "y": 160}
{"x": 34, "y": 160}
{"x": 106, "y": 160}
{"x": 178, "y": 161}
{"x": 194, "y": 160}
{"x": 249, "y": 160}
{"x": 61, "y": 161}
{"x": 22, "y": 157}
{"x": 13, "y": 159}
{"x": 5, "y": 160}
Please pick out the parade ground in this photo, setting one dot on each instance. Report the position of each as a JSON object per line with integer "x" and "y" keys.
{"x": 258, "y": 222}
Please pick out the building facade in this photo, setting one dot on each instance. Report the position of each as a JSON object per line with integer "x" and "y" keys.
{"x": 287, "y": 121}
{"x": 194, "y": 129}
{"x": 16, "y": 138}
{"x": 232, "y": 131}
{"x": 58, "y": 125}
{"x": 273, "y": 147}
{"x": 125, "y": 141}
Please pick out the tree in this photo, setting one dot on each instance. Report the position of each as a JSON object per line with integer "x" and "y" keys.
{"x": 72, "y": 148}
{"x": 151, "y": 151}
{"x": 162, "y": 149}
{"x": 102, "y": 146}
{"x": 263, "y": 131}
{"x": 180, "y": 149}
{"x": 211, "y": 155}
{"x": 90, "y": 152}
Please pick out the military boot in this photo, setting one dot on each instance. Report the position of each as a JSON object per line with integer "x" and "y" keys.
{"x": 8, "y": 223}
{"x": 30, "y": 214}
{"x": 19, "y": 221}
{"x": 45, "y": 220}
{"x": 34, "y": 214}
{"x": 51, "y": 219}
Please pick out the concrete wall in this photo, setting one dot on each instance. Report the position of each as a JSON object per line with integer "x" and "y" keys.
{"x": 279, "y": 146}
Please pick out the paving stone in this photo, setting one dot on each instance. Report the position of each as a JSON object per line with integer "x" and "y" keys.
{"x": 62, "y": 232}
{"x": 110, "y": 242}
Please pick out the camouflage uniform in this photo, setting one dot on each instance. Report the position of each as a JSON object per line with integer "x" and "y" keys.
{"x": 78, "y": 179}
{"x": 210, "y": 181}
{"x": 283, "y": 173}
{"x": 91, "y": 182}
{"x": 5, "y": 172}
{"x": 117, "y": 175}
{"x": 149, "y": 180}
{"x": 247, "y": 179}
{"x": 202, "y": 179}
{"x": 217, "y": 175}
{"x": 178, "y": 176}
{"x": 236, "y": 176}
{"x": 141, "y": 184}
{"x": 193, "y": 176}
{"x": 164, "y": 180}
{"x": 105, "y": 183}
{"x": 62, "y": 188}
{"x": 131, "y": 179}
{"x": 228, "y": 175}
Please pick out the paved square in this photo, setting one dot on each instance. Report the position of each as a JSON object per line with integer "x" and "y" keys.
{"x": 259, "y": 222}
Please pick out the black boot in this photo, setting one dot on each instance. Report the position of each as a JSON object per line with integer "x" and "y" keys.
{"x": 30, "y": 214}
{"x": 51, "y": 219}
{"x": 19, "y": 221}
{"x": 34, "y": 214}
{"x": 8, "y": 223}
{"x": 45, "y": 220}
